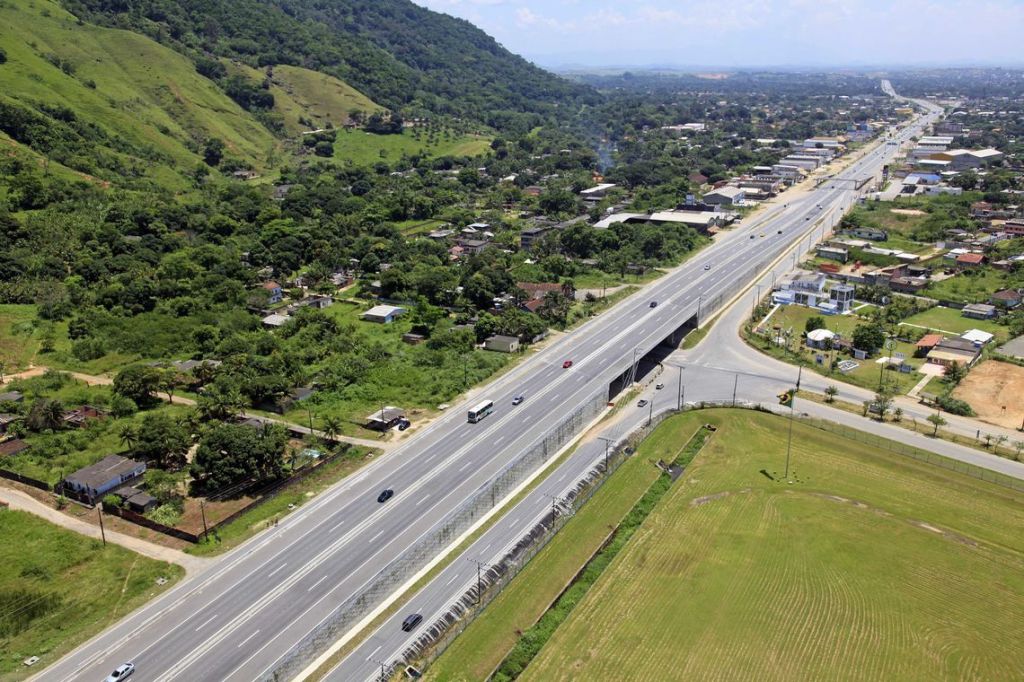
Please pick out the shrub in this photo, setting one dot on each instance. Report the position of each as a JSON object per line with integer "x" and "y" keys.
{"x": 955, "y": 406}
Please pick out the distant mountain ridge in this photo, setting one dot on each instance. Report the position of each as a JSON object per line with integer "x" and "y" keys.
{"x": 399, "y": 54}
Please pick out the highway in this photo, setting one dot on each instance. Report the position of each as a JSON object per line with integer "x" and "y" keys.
{"x": 238, "y": 619}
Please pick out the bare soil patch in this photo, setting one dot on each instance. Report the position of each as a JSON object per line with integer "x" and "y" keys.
{"x": 906, "y": 211}
{"x": 994, "y": 389}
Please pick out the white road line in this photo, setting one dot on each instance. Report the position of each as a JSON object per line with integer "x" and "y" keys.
{"x": 336, "y": 527}
{"x": 277, "y": 569}
{"x": 423, "y": 499}
{"x": 454, "y": 578}
{"x": 246, "y": 640}
{"x": 205, "y": 622}
{"x": 376, "y": 536}
{"x": 370, "y": 657}
{"x": 464, "y": 466}
{"x": 311, "y": 587}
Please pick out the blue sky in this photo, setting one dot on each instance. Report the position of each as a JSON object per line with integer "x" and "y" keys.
{"x": 747, "y": 33}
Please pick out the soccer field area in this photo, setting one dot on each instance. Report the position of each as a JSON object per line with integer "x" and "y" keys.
{"x": 870, "y": 566}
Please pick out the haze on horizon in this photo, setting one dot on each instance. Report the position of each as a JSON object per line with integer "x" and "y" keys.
{"x": 744, "y": 33}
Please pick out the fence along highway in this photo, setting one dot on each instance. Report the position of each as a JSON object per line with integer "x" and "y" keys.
{"x": 240, "y": 619}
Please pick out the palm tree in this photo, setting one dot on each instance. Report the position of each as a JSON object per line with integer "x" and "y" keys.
{"x": 331, "y": 428}
{"x": 129, "y": 435}
{"x": 897, "y": 414}
{"x": 830, "y": 393}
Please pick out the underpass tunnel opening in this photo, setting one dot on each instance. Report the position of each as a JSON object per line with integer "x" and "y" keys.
{"x": 650, "y": 365}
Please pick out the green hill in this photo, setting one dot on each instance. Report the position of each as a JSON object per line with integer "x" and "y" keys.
{"x": 111, "y": 103}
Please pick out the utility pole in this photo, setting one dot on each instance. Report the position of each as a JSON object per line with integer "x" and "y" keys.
{"x": 480, "y": 565}
{"x": 735, "y": 384}
{"x": 554, "y": 501}
{"x": 202, "y": 510}
{"x": 383, "y": 677}
{"x": 650, "y": 413}
{"x": 309, "y": 414}
{"x": 607, "y": 443}
{"x": 679, "y": 393}
{"x": 792, "y": 414}
{"x": 103, "y": 532}
{"x": 700, "y": 298}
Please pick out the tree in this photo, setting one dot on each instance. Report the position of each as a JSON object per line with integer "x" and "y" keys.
{"x": 128, "y": 435}
{"x": 883, "y": 401}
{"x": 1018, "y": 445}
{"x": 955, "y": 373}
{"x": 162, "y": 440}
{"x": 937, "y": 420}
{"x": 213, "y": 151}
{"x": 232, "y": 453}
{"x": 44, "y": 414}
{"x": 331, "y": 429}
{"x": 897, "y": 414}
{"x": 830, "y": 393}
{"x": 169, "y": 383}
{"x": 138, "y": 383}
{"x": 814, "y": 322}
{"x": 868, "y": 337}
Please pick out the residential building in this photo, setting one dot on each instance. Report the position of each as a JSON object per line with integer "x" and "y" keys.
{"x": 979, "y": 311}
{"x": 1007, "y": 299}
{"x": 383, "y": 314}
{"x": 833, "y": 252}
{"x": 274, "y": 320}
{"x": 926, "y": 343}
{"x": 9, "y": 448}
{"x": 950, "y": 352}
{"x": 385, "y": 418}
{"x": 872, "y": 233}
{"x": 597, "y": 193}
{"x": 1014, "y": 228}
{"x": 842, "y": 296}
{"x": 80, "y": 416}
{"x": 820, "y": 338}
{"x": 274, "y": 292}
{"x": 531, "y": 235}
{"x": 536, "y": 291}
{"x": 970, "y": 260}
{"x": 502, "y": 344}
{"x": 95, "y": 481}
{"x": 977, "y": 337}
{"x": 473, "y": 246}
{"x": 6, "y": 420}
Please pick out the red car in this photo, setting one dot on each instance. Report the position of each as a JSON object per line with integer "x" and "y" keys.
{"x": 567, "y": 364}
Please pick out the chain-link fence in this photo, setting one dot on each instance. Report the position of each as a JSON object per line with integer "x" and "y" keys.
{"x": 392, "y": 576}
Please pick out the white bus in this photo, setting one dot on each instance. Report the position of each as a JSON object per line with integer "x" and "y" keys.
{"x": 480, "y": 411}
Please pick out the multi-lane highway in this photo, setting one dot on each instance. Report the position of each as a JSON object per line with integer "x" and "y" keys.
{"x": 238, "y": 619}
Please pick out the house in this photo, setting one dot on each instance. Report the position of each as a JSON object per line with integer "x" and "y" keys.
{"x": 80, "y": 416}
{"x": 820, "y": 338}
{"x": 274, "y": 320}
{"x": 13, "y": 447}
{"x": 6, "y": 420}
{"x": 596, "y": 193}
{"x": 385, "y": 418}
{"x": 872, "y": 233}
{"x": 907, "y": 285}
{"x": 316, "y": 301}
{"x": 977, "y": 337}
{"x": 135, "y": 499}
{"x": 502, "y": 344}
{"x": 473, "y": 246}
{"x": 926, "y": 343}
{"x": 806, "y": 289}
{"x": 274, "y": 292}
{"x": 109, "y": 473}
{"x": 725, "y": 196}
{"x": 979, "y": 311}
{"x": 1014, "y": 228}
{"x": 383, "y": 314}
{"x": 1008, "y": 299}
{"x": 697, "y": 178}
{"x": 970, "y": 260}
{"x": 530, "y": 235}
{"x": 833, "y": 252}
{"x": 950, "y": 352}
{"x": 11, "y": 397}
{"x": 841, "y": 296}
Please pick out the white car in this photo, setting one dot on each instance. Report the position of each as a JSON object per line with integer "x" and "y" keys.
{"x": 121, "y": 672}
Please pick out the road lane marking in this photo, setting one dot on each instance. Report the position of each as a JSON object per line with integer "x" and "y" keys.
{"x": 454, "y": 578}
{"x": 206, "y": 622}
{"x": 336, "y": 526}
{"x": 370, "y": 657}
{"x": 277, "y": 569}
{"x": 423, "y": 499}
{"x": 311, "y": 587}
{"x": 246, "y": 640}
{"x": 376, "y": 536}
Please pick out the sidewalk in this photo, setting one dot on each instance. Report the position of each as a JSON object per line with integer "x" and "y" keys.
{"x": 22, "y": 501}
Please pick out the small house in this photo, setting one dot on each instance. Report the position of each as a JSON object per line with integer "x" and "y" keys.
{"x": 274, "y": 292}
{"x": 977, "y": 337}
{"x": 383, "y": 314}
{"x": 725, "y": 196}
{"x": 1007, "y": 299}
{"x": 275, "y": 320}
{"x": 970, "y": 260}
{"x": 80, "y": 416}
{"x": 926, "y": 343}
{"x": 950, "y": 352}
{"x": 385, "y": 418}
{"x": 97, "y": 480}
{"x": 820, "y": 339}
{"x": 979, "y": 311}
{"x": 12, "y": 447}
{"x": 502, "y": 344}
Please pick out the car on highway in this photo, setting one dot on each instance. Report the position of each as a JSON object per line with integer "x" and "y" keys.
{"x": 762, "y": 234}
{"x": 642, "y": 403}
{"x": 654, "y": 304}
{"x": 121, "y": 672}
{"x": 780, "y": 232}
{"x": 752, "y": 236}
{"x": 517, "y": 400}
{"x": 567, "y": 364}
{"x": 411, "y": 621}
{"x": 659, "y": 386}
{"x": 385, "y": 495}
{"x": 708, "y": 266}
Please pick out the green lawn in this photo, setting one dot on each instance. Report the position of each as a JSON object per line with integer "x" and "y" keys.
{"x": 795, "y": 317}
{"x": 974, "y": 287}
{"x": 58, "y": 588}
{"x": 18, "y": 343}
{"x": 870, "y": 566}
{"x": 950, "y": 320}
{"x": 363, "y": 148}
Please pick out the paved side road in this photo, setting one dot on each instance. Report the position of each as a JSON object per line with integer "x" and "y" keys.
{"x": 25, "y": 502}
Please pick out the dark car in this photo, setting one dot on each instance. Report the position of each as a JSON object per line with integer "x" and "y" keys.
{"x": 403, "y": 424}
{"x": 654, "y": 304}
{"x": 385, "y": 495}
{"x": 517, "y": 400}
{"x": 642, "y": 403}
{"x": 780, "y": 231}
{"x": 411, "y": 621}
{"x": 567, "y": 364}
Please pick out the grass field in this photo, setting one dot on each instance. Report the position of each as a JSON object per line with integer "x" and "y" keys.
{"x": 950, "y": 320}
{"x": 17, "y": 345}
{"x": 58, "y": 588}
{"x": 968, "y": 288}
{"x": 363, "y": 148}
{"x": 869, "y": 567}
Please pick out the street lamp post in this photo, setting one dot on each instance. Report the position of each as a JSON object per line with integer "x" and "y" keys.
{"x": 607, "y": 443}
{"x": 480, "y": 565}
{"x": 679, "y": 393}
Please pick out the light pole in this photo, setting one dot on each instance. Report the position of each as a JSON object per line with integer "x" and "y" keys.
{"x": 679, "y": 392}
{"x": 650, "y": 413}
{"x": 607, "y": 443}
{"x": 480, "y": 565}
{"x": 383, "y": 677}
{"x": 554, "y": 501}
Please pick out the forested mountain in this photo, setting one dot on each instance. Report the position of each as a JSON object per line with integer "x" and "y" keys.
{"x": 401, "y": 55}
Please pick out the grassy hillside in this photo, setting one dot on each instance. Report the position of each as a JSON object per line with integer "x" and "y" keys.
{"x": 321, "y": 98}
{"x": 870, "y": 566}
{"x": 150, "y": 106}
{"x": 365, "y": 148}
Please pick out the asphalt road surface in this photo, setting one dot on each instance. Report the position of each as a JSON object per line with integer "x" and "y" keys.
{"x": 236, "y": 620}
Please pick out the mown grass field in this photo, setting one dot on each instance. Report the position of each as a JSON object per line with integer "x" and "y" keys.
{"x": 363, "y": 148}
{"x": 950, "y": 320}
{"x": 58, "y": 588}
{"x": 871, "y": 566}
